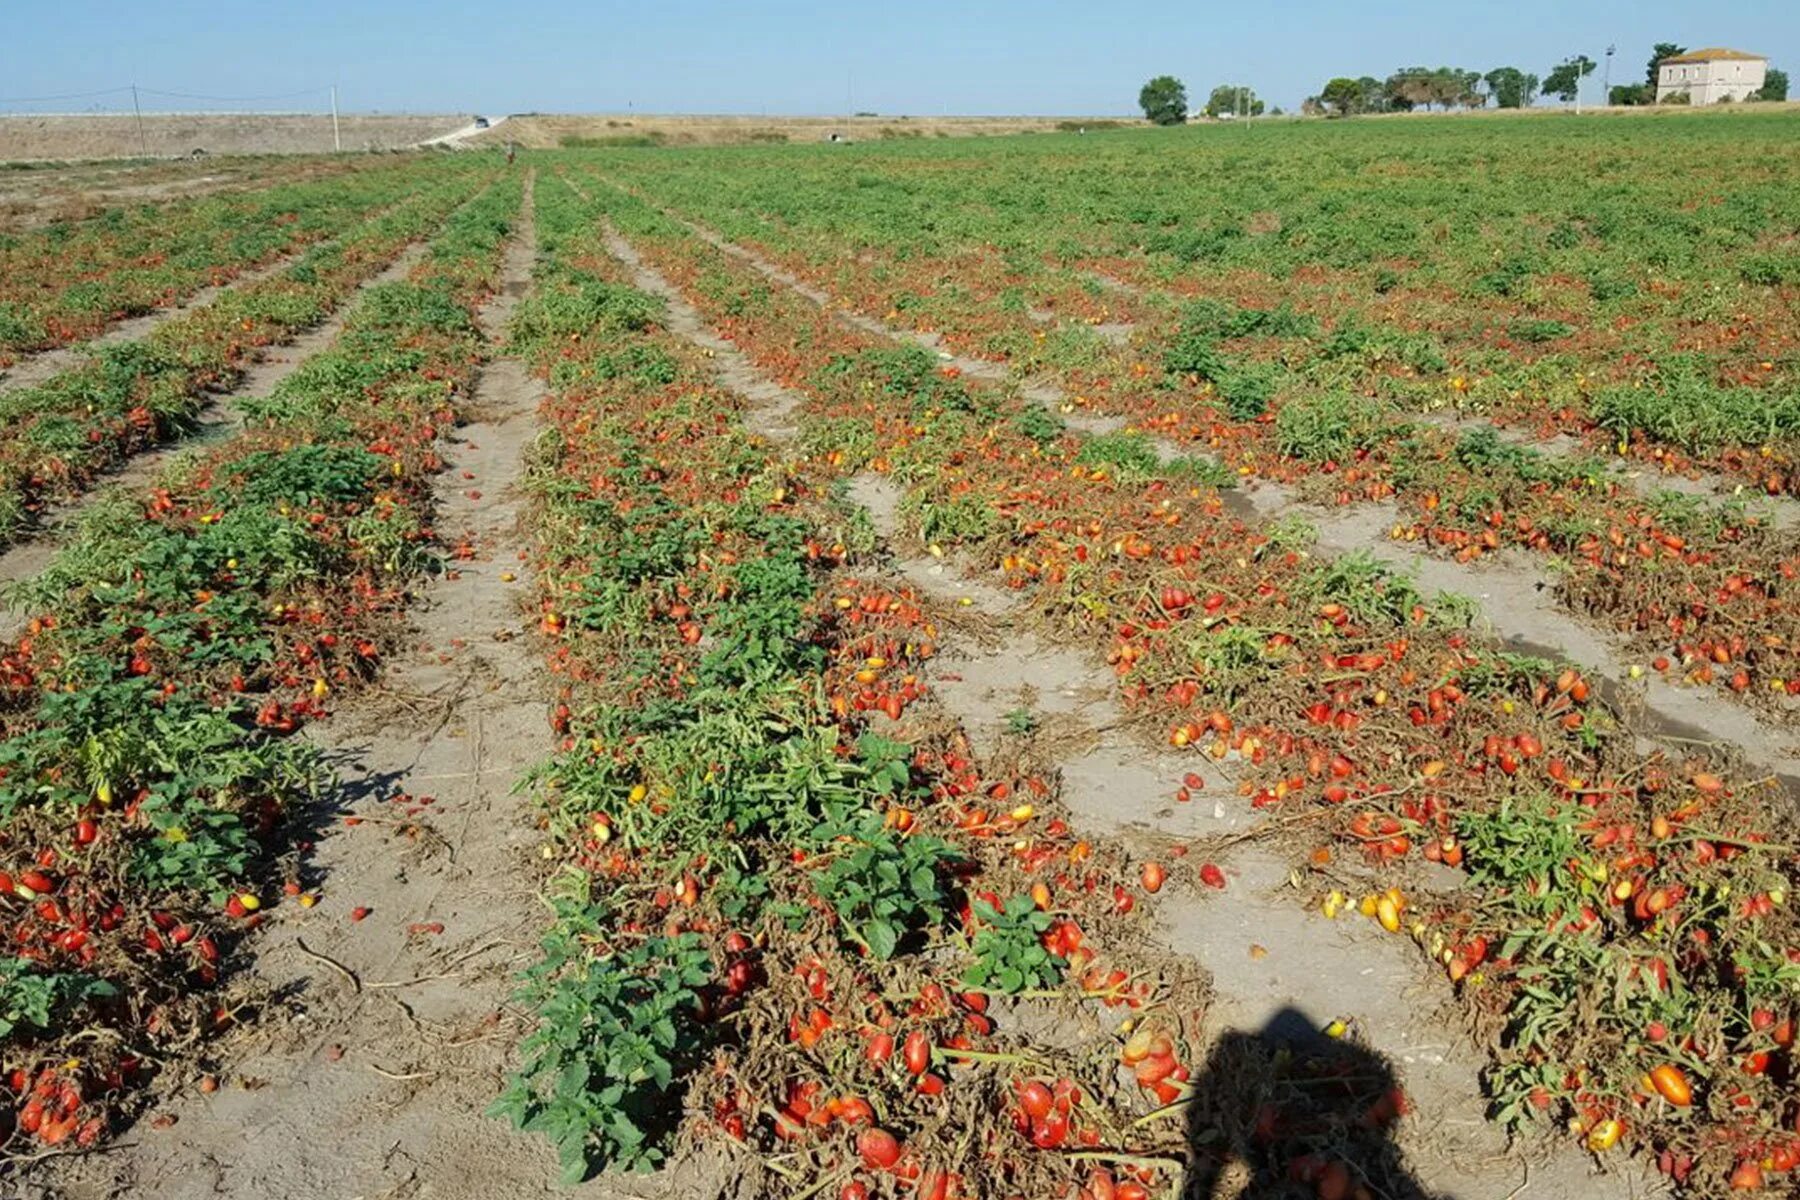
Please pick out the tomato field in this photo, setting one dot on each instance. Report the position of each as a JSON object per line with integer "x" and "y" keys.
{"x": 1210, "y": 662}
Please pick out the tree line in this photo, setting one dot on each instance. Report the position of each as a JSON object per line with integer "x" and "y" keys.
{"x": 1505, "y": 87}
{"x": 1165, "y": 100}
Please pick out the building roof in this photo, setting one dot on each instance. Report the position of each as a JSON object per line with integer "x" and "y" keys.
{"x": 1713, "y": 54}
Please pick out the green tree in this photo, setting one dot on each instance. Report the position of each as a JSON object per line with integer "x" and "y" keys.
{"x": 1342, "y": 96}
{"x": 1164, "y": 100}
{"x": 1511, "y": 87}
{"x": 1659, "y": 52}
{"x": 1415, "y": 87}
{"x": 1565, "y": 80}
{"x": 1233, "y": 99}
{"x": 1775, "y": 85}
{"x": 1631, "y": 94}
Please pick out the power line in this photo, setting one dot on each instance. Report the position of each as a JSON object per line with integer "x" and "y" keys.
{"x": 318, "y": 91}
{"x": 65, "y": 96}
{"x": 148, "y": 91}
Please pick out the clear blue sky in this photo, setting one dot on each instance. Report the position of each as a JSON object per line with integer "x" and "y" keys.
{"x": 904, "y": 56}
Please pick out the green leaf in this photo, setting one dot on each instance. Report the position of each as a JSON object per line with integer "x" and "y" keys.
{"x": 882, "y": 939}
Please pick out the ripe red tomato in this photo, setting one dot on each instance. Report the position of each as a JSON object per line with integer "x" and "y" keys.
{"x": 1050, "y": 1132}
{"x": 1035, "y": 1099}
{"x": 917, "y": 1052}
{"x": 879, "y": 1149}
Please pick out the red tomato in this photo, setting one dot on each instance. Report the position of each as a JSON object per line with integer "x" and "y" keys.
{"x": 917, "y": 1052}
{"x": 879, "y": 1149}
{"x": 1050, "y": 1132}
{"x": 1035, "y": 1099}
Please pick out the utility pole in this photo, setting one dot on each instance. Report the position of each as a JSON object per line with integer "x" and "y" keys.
{"x": 143, "y": 148}
{"x": 1606, "y": 77}
{"x": 337, "y": 140}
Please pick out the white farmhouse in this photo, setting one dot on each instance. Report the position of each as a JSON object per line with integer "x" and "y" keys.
{"x": 1711, "y": 75}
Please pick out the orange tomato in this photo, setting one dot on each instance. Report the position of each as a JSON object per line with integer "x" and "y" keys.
{"x": 1672, "y": 1085}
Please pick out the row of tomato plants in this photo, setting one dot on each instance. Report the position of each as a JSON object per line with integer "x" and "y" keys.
{"x": 1623, "y": 918}
{"x": 793, "y": 915}
{"x": 152, "y": 796}
{"x": 60, "y": 435}
{"x": 70, "y": 280}
{"x": 1700, "y": 590}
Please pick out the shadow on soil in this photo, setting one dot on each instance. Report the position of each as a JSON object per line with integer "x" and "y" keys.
{"x": 1289, "y": 1112}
